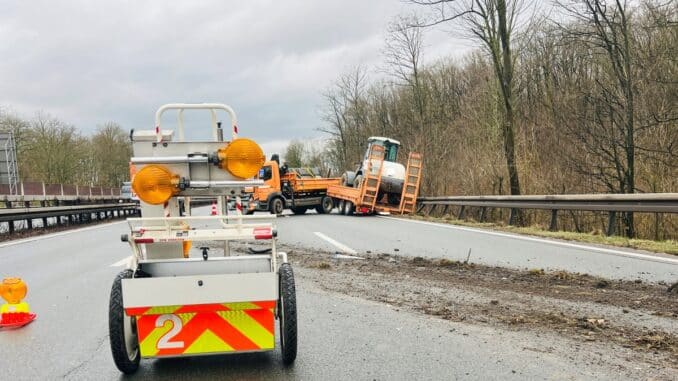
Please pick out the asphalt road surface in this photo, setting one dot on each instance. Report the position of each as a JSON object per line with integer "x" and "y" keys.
{"x": 378, "y": 234}
{"x": 69, "y": 275}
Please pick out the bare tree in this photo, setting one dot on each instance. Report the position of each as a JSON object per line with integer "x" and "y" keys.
{"x": 605, "y": 27}
{"x": 403, "y": 53}
{"x": 112, "y": 151}
{"x": 492, "y": 23}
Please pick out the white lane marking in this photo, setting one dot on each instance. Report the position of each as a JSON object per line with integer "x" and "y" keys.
{"x": 122, "y": 262}
{"x": 59, "y": 234}
{"x": 342, "y": 256}
{"x": 336, "y": 244}
{"x": 550, "y": 242}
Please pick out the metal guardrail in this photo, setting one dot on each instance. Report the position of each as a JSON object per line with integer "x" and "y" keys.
{"x": 611, "y": 203}
{"x": 75, "y": 213}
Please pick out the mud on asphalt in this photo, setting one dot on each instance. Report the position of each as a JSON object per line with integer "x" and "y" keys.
{"x": 638, "y": 316}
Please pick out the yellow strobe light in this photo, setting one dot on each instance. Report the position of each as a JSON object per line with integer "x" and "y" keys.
{"x": 155, "y": 184}
{"x": 242, "y": 158}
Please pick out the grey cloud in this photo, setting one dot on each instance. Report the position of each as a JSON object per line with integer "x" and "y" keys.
{"x": 90, "y": 62}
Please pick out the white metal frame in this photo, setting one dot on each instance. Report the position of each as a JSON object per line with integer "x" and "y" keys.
{"x": 212, "y": 107}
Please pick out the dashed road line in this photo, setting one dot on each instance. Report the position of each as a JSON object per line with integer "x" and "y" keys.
{"x": 122, "y": 262}
{"x": 336, "y": 244}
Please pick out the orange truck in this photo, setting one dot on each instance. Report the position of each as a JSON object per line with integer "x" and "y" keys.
{"x": 367, "y": 193}
{"x": 297, "y": 189}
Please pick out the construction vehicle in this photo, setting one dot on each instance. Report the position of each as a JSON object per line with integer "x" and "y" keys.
{"x": 368, "y": 194}
{"x": 392, "y": 175}
{"x": 186, "y": 290}
{"x": 298, "y": 189}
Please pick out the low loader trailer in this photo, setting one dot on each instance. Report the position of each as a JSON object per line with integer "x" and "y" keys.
{"x": 365, "y": 197}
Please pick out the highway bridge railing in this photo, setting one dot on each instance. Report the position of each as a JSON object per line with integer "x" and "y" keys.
{"x": 39, "y": 191}
{"x": 611, "y": 203}
{"x": 73, "y": 214}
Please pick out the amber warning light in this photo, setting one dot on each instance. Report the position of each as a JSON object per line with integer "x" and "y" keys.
{"x": 15, "y": 312}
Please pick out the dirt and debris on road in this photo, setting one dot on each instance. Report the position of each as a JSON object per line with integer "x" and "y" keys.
{"x": 634, "y": 315}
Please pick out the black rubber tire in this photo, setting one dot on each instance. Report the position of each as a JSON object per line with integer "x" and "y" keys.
{"x": 349, "y": 208}
{"x": 116, "y": 328}
{"x": 340, "y": 206}
{"x": 299, "y": 210}
{"x": 277, "y": 206}
{"x": 326, "y": 205}
{"x": 288, "y": 314}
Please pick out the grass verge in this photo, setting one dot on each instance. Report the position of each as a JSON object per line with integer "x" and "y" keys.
{"x": 669, "y": 247}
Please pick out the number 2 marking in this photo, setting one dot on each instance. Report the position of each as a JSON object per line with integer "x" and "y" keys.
{"x": 164, "y": 342}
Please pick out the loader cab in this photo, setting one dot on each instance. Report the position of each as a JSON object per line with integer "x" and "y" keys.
{"x": 390, "y": 147}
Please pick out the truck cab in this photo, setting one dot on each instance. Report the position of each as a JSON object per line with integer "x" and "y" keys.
{"x": 297, "y": 189}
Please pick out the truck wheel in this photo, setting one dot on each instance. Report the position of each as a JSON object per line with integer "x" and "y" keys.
{"x": 340, "y": 206}
{"x": 325, "y": 206}
{"x": 348, "y": 208}
{"x": 288, "y": 314}
{"x": 122, "y": 329}
{"x": 277, "y": 206}
{"x": 299, "y": 210}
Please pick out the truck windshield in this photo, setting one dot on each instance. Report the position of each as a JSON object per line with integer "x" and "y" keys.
{"x": 265, "y": 173}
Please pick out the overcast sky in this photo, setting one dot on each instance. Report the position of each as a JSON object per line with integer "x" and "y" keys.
{"x": 89, "y": 62}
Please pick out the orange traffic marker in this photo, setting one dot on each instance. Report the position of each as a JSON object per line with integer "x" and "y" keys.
{"x": 14, "y": 313}
{"x": 214, "y": 209}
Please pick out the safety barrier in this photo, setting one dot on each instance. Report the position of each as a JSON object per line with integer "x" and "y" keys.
{"x": 611, "y": 203}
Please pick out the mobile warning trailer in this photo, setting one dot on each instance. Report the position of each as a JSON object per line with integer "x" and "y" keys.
{"x": 169, "y": 303}
{"x": 365, "y": 196}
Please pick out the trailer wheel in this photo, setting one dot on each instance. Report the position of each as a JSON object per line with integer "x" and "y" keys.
{"x": 122, "y": 329}
{"x": 325, "y": 206}
{"x": 348, "y": 208}
{"x": 340, "y": 206}
{"x": 299, "y": 210}
{"x": 277, "y": 206}
{"x": 288, "y": 314}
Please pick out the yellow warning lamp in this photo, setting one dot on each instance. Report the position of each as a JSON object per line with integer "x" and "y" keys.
{"x": 13, "y": 290}
{"x": 242, "y": 157}
{"x": 154, "y": 184}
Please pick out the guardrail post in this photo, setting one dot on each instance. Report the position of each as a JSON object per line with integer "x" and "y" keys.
{"x": 445, "y": 210}
{"x": 483, "y": 211}
{"x": 462, "y": 212}
{"x": 22, "y": 188}
{"x": 554, "y": 220}
{"x": 611, "y": 223}
{"x": 433, "y": 208}
{"x": 10, "y": 227}
{"x": 512, "y": 217}
{"x": 421, "y": 206}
